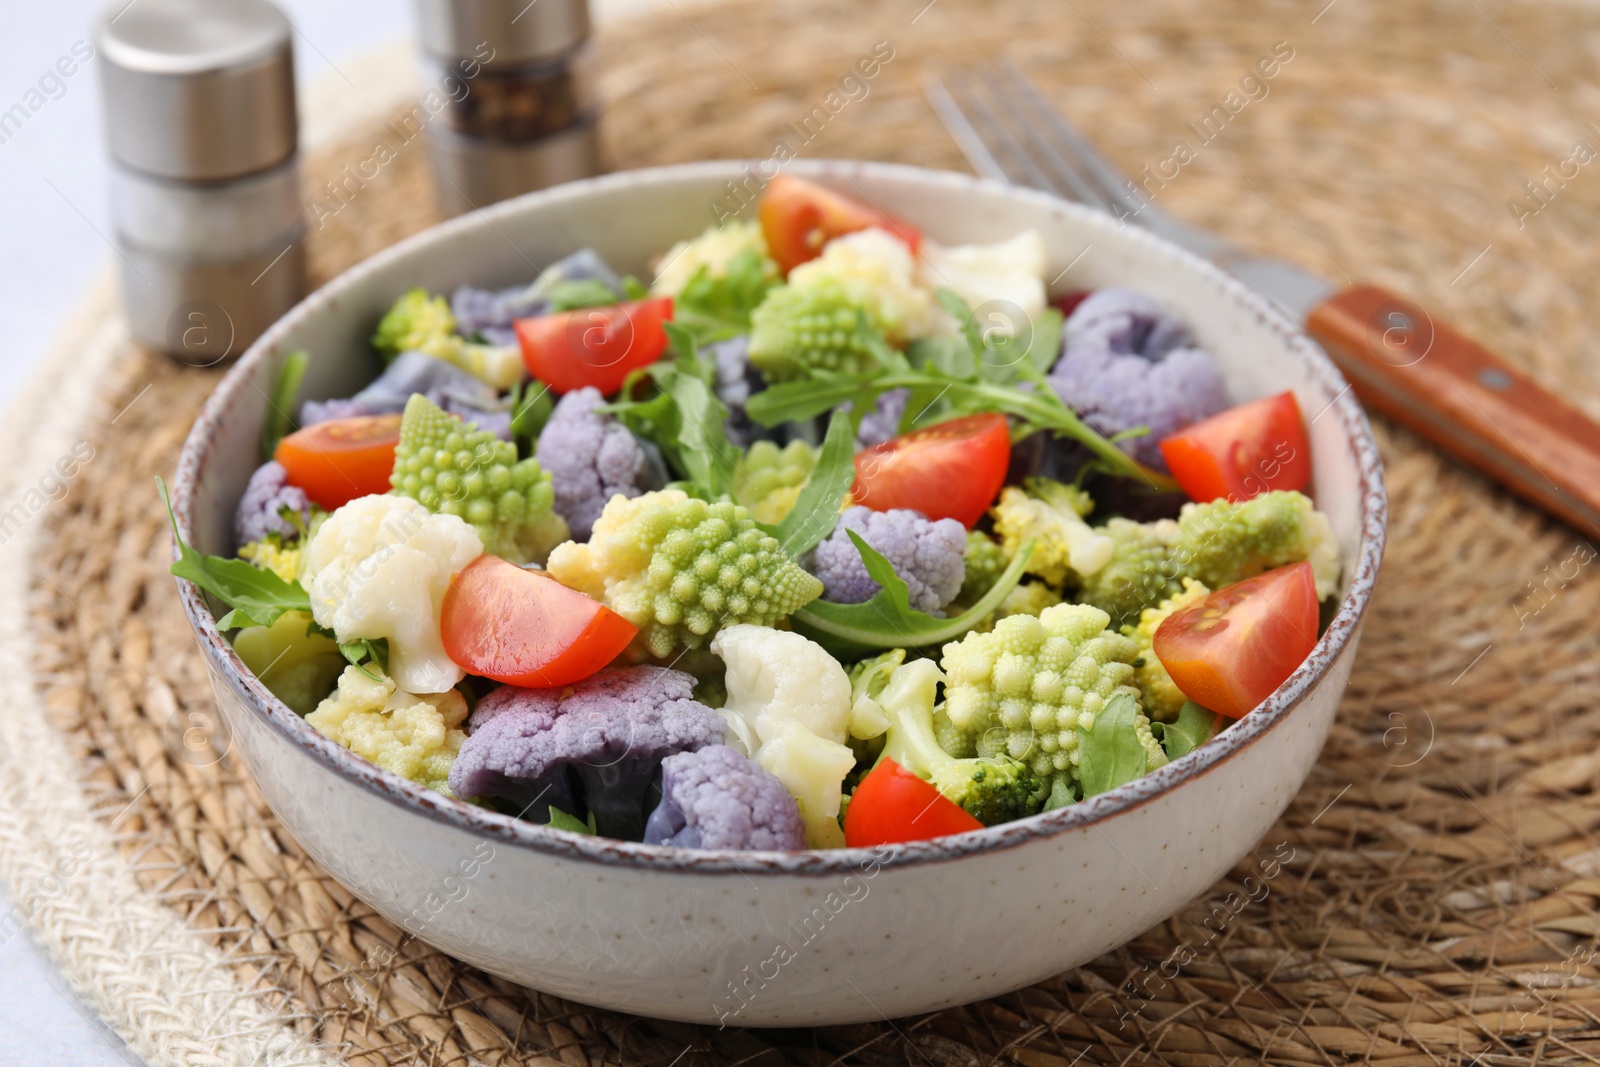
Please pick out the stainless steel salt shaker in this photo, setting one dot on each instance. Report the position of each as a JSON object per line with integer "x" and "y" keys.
{"x": 517, "y": 107}
{"x": 200, "y": 120}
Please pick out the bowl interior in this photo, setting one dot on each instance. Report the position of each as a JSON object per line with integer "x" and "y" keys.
{"x": 630, "y": 218}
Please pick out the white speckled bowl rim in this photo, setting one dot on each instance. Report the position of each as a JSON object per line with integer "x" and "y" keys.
{"x": 1270, "y": 715}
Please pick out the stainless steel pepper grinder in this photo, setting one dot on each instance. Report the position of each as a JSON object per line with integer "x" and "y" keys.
{"x": 200, "y": 119}
{"x": 516, "y": 84}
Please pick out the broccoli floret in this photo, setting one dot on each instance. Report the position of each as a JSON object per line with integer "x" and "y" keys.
{"x": 1050, "y": 514}
{"x": 1162, "y": 699}
{"x": 260, "y": 510}
{"x": 716, "y": 798}
{"x": 1221, "y": 542}
{"x": 416, "y": 737}
{"x": 452, "y": 469}
{"x": 1127, "y": 362}
{"x": 796, "y": 331}
{"x": 591, "y": 457}
{"x": 928, "y": 554}
{"x": 299, "y": 665}
{"x": 1024, "y": 689}
{"x": 768, "y": 479}
{"x": 992, "y": 789}
{"x": 1140, "y": 574}
{"x": 681, "y": 569}
{"x": 588, "y": 748}
{"x": 418, "y": 322}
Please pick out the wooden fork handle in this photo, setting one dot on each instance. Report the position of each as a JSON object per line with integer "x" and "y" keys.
{"x": 1454, "y": 392}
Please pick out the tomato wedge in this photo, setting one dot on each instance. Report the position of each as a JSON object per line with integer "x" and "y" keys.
{"x": 1243, "y": 452}
{"x": 525, "y": 628}
{"x": 892, "y": 805}
{"x": 597, "y": 346}
{"x": 798, "y": 217}
{"x": 952, "y": 470}
{"x": 339, "y": 460}
{"x": 1230, "y": 651}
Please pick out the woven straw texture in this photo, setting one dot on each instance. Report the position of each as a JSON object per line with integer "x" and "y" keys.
{"x": 1431, "y": 896}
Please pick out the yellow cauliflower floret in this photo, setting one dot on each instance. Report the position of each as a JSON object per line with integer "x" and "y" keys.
{"x": 1162, "y": 699}
{"x": 416, "y": 737}
{"x": 1050, "y": 515}
{"x": 877, "y": 271}
{"x": 714, "y": 250}
{"x": 273, "y": 555}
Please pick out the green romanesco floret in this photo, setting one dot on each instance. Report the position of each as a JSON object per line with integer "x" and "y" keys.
{"x": 418, "y": 322}
{"x": 1050, "y": 514}
{"x": 984, "y": 559}
{"x": 821, "y": 328}
{"x": 416, "y": 737}
{"x": 1162, "y": 699}
{"x": 768, "y": 479}
{"x": 298, "y": 664}
{"x": 681, "y": 569}
{"x": 992, "y": 789}
{"x": 1221, "y": 543}
{"x": 1140, "y": 574}
{"x": 1025, "y": 688}
{"x": 451, "y": 468}
{"x": 878, "y": 272}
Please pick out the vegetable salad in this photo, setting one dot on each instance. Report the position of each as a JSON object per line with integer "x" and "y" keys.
{"x": 832, "y": 536}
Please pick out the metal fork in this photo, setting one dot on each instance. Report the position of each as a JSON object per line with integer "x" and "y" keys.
{"x": 1008, "y": 130}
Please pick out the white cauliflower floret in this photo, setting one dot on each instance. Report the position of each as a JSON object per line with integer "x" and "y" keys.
{"x": 714, "y": 250}
{"x": 788, "y": 707}
{"x": 876, "y": 270}
{"x": 378, "y": 568}
{"x": 1010, "y": 271}
{"x": 416, "y": 737}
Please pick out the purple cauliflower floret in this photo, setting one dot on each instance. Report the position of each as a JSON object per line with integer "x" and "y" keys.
{"x": 447, "y": 385}
{"x": 929, "y": 555}
{"x": 587, "y": 748}
{"x": 490, "y": 312}
{"x": 591, "y": 457}
{"x": 882, "y": 423}
{"x": 260, "y": 509}
{"x": 737, "y": 381}
{"x": 717, "y": 798}
{"x": 1128, "y": 362}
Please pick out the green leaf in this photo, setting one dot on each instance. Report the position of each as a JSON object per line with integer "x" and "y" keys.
{"x": 531, "y": 408}
{"x": 633, "y": 288}
{"x": 888, "y": 620}
{"x": 685, "y": 418}
{"x": 257, "y": 596}
{"x": 1109, "y": 752}
{"x": 805, "y": 399}
{"x": 1061, "y": 794}
{"x": 716, "y": 308}
{"x": 560, "y": 820}
{"x": 1193, "y": 727}
{"x": 816, "y": 509}
{"x": 588, "y": 293}
{"x": 366, "y": 651}
{"x": 285, "y": 391}
{"x": 962, "y": 312}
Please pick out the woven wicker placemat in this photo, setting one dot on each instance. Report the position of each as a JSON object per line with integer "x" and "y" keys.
{"x": 1430, "y": 897}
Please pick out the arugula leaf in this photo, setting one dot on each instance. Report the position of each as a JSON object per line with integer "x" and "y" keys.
{"x": 531, "y": 407}
{"x": 888, "y": 620}
{"x": 560, "y": 820}
{"x": 1109, "y": 752}
{"x": 366, "y": 651}
{"x": 285, "y": 391}
{"x": 1193, "y": 727}
{"x": 585, "y": 293}
{"x": 257, "y": 596}
{"x": 633, "y": 288}
{"x": 1061, "y": 794}
{"x": 994, "y": 355}
{"x": 816, "y": 509}
{"x": 716, "y": 308}
{"x": 685, "y": 418}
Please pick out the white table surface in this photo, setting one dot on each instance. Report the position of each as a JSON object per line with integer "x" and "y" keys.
{"x": 52, "y": 243}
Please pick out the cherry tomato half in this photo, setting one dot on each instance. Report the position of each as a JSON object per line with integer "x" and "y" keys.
{"x": 339, "y": 460}
{"x": 1243, "y": 452}
{"x": 525, "y": 628}
{"x": 798, "y": 217}
{"x": 1230, "y": 651}
{"x": 892, "y": 805}
{"x": 597, "y": 346}
{"x": 952, "y": 470}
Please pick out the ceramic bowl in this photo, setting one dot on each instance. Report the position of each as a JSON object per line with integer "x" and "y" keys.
{"x": 784, "y": 939}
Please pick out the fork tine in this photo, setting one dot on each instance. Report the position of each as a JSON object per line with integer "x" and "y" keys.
{"x": 965, "y": 134}
{"x": 985, "y": 124}
{"x": 1082, "y": 188}
{"x": 1115, "y": 187}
